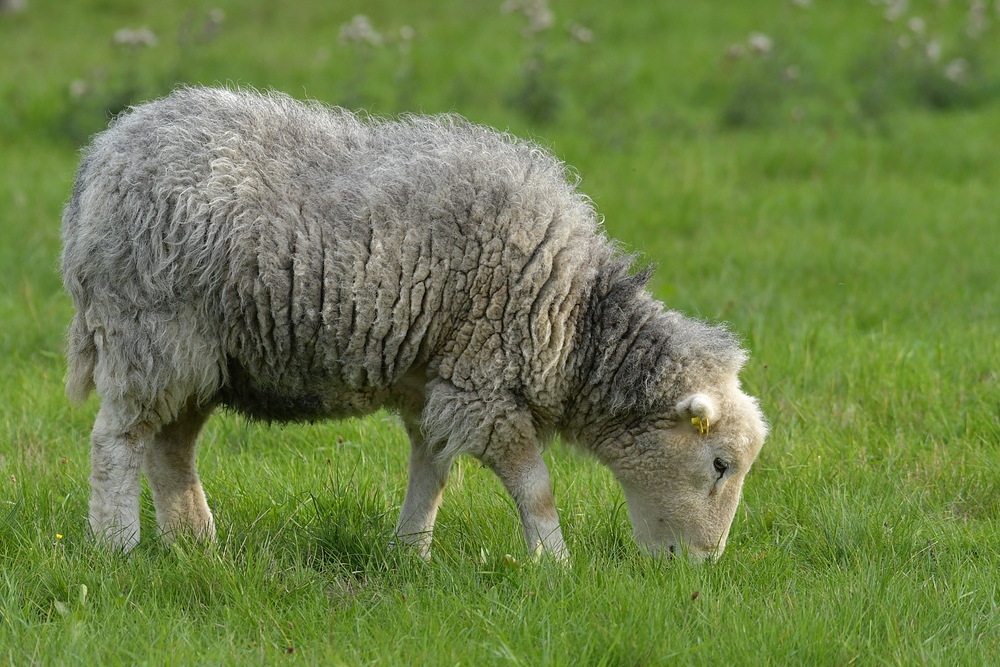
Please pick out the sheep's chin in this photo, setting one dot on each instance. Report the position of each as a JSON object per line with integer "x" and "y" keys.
{"x": 671, "y": 550}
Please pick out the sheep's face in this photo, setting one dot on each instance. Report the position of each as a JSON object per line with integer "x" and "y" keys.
{"x": 682, "y": 473}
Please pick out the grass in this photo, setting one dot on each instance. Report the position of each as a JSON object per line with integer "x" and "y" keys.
{"x": 852, "y": 245}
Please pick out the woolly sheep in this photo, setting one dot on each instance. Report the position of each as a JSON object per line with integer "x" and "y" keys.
{"x": 295, "y": 262}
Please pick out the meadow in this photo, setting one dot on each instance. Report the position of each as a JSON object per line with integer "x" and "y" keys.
{"x": 823, "y": 176}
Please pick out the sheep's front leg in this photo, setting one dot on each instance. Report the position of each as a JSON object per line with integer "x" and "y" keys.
{"x": 526, "y": 478}
{"x": 500, "y": 432}
{"x": 169, "y": 464}
{"x": 115, "y": 452}
{"x": 428, "y": 474}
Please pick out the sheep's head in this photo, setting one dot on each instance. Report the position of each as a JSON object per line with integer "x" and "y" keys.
{"x": 682, "y": 471}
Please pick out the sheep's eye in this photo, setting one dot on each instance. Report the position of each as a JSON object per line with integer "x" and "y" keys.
{"x": 720, "y": 467}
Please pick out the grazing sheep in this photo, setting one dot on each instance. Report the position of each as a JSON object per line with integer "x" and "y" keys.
{"x": 296, "y": 262}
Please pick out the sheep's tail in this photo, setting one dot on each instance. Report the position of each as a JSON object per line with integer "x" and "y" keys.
{"x": 82, "y": 357}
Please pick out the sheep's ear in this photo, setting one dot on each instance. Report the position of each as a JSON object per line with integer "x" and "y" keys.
{"x": 701, "y": 409}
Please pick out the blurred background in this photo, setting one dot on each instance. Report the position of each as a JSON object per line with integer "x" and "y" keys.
{"x": 622, "y": 72}
{"x": 679, "y": 117}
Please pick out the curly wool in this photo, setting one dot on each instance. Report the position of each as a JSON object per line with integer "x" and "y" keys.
{"x": 295, "y": 261}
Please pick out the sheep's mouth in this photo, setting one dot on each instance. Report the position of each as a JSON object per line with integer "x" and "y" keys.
{"x": 670, "y": 552}
{"x": 660, "y": 550}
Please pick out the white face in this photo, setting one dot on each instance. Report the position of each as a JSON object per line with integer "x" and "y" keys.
{"x": 683, "y": 484}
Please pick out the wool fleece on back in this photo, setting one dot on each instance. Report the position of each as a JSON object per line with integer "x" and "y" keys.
{"x": 292, "y": 262}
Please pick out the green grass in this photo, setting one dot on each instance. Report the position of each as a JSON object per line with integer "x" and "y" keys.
{"x": 855, "y": 249}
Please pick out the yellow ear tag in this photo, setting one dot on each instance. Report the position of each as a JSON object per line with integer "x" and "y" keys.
{"x": 702, "y": 424}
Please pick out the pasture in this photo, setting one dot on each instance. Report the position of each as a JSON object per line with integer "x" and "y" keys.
{"x": 824, "y": 176}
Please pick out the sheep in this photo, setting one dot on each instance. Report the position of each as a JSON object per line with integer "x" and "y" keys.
{"x": 296, "y": 262}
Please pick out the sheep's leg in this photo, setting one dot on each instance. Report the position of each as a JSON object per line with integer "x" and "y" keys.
{"x": 496, "y": 429}
{"x": 169, "y": 464}
{"x": 115, "y": 481}
{"x": 428, "y": 474}
{"x": 526, "y": 478}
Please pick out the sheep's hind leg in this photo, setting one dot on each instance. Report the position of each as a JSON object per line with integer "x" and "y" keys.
{"x": 428, "y": 474}
{"x": 169, "y": 464}
{"x": 116, "y": 446}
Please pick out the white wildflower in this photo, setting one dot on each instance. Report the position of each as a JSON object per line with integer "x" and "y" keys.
{"x": 135, "y": 38}
{"x": 917, "y": 25}
{"x": 212, "y": 24}
{"x": 904, "y": 42}
{"x": 977, "y": 19}
{"x": 933, "y": 50}
{"x": 581, "y": 34}
{"x": 957, "y": 70}
{"x": 540, "y": 17}
{"x": 736, "y": 51}
{"x": 896, "y": 9}
{"x": 11, "y": 6}
{"x": 802, "y": 3}
{"x": 359, "y": 30}
{"x": 791, "y": 73}
{"x": 78, "y": 88}
{"x": 760, "y": 43}
{"x": 406, "y": 36}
